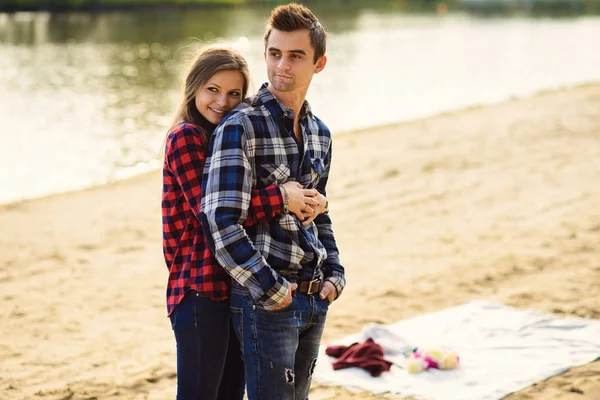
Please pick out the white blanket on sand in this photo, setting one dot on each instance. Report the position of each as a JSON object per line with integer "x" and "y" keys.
{"x": 502, "y": 349}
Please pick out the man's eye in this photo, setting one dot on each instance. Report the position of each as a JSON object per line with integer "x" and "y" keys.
{"x": 273, "y": 54}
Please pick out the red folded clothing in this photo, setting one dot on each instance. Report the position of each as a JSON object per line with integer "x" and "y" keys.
{"x": 367, "y": 355}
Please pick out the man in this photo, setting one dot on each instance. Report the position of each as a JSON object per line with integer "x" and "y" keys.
{"x": 286, "y": 274}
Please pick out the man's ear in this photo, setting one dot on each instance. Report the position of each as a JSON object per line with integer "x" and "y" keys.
{"x": 265, "y": 55}
{"x": 320, "y": 64}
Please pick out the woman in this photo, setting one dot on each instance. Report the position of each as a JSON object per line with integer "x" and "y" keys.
{"x": 209, "y": 365}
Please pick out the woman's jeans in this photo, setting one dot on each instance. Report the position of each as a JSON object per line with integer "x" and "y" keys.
{"x": 279, "y": 348}
{"x": 209, "y": 366}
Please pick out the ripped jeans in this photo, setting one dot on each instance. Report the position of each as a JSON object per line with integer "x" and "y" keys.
{"x": 279, "y": 348}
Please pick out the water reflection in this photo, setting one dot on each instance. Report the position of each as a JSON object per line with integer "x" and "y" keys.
{"x": 86, "y": 98}
{"x": 531, "y": 8}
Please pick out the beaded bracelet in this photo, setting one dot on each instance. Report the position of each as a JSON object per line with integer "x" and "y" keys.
{"x": 286, "y": 199}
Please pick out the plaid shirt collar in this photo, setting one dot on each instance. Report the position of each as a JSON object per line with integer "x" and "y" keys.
{"x": 276, "y": 108}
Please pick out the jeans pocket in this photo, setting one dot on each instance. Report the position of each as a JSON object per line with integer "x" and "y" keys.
{"x": 323, "y": 307}
{"x": 184, "y": 315}
{"x": 276, "y": 319}
{"x": 237, "y": 319}
{"x": 279, "y": 310}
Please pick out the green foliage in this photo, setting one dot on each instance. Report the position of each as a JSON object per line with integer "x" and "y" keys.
{"x": 60, "y": 5}
{"x": 534, "y": 7}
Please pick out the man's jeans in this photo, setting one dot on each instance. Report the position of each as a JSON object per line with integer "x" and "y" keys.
{"x": 209, "y": 365}
{"x": 279, "y": 348}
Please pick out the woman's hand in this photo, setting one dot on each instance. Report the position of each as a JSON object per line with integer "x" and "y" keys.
{"x": 306, "y": 204}
{"x": 302, "y": 201}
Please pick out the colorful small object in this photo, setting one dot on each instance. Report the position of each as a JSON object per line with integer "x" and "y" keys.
{"x": 449, "y": 361}
{"x": 421, "y": 360}
{"x": 415, "y": 365}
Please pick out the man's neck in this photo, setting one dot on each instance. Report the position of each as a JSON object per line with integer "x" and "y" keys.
{"x": 293, "y": 100}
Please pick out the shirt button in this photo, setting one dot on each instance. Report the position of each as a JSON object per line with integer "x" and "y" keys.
{"x": 253, "y": 307}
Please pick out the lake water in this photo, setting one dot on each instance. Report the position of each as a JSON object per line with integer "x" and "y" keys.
{"x": 86, "y": 99}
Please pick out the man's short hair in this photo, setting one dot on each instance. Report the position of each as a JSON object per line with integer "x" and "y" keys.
{"x": 292, "y": 17}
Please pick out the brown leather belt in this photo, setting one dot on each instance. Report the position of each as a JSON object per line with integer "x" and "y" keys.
{"x": 310, "y": 287}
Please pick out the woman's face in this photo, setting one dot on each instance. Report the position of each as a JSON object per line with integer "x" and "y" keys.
{"x": 219, "y": 95}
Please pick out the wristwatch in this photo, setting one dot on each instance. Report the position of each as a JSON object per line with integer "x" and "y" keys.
{"x": 326, "y": 209}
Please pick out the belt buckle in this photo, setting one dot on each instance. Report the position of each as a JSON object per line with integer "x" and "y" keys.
{"x": 317, "y": 282}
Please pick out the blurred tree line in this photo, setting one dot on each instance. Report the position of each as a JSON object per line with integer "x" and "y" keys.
{"x": 477, "y": 6}
{"x": 68, "y": 5}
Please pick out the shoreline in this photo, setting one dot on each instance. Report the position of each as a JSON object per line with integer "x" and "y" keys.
{"x": 357, "y": 131}
{"x": 496, "y": 202}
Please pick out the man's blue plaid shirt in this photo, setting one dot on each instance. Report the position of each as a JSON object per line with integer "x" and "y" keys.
{"x": 255, "y": 147}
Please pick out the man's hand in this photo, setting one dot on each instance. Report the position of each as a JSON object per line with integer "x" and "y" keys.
{"x": 328, "y": 292}
{"x": 286, "y": 302}
{"x": 318, "y": 209}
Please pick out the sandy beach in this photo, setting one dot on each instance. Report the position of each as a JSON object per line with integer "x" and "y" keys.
{"x": 498, "y": 202}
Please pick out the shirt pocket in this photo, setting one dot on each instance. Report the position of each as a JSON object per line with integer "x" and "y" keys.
{"x": 316, "y": 170}
{"x": 272, "y": 174}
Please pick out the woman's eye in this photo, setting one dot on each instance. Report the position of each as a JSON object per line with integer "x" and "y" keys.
{"x": 213, "y": 89}
{"x": 235, "y": 94}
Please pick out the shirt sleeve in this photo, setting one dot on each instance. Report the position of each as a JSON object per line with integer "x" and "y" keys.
{"x": 332, "y": 268}
{"x": 185, "y": 156}
{"x": 265, "y": 204}
{"x": 227, "y": 187}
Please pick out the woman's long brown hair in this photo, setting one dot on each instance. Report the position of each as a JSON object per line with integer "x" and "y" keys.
{"x": 207, "y": 63}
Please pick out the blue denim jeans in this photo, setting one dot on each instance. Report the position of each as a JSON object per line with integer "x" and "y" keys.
{"x": 209, "y": 364}
{"x": 279, "y": 348}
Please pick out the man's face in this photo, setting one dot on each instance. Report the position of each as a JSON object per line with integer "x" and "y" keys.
{"x": 290, "y": 60}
